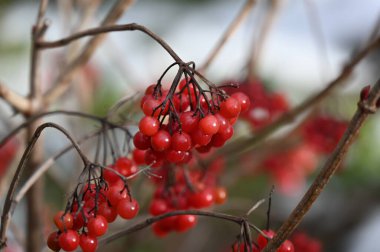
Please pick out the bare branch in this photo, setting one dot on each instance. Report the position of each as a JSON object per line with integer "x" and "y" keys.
{"x": 228, "y": 33}
{"x": 18, "y": 102}
{"x": 364, "y": 108}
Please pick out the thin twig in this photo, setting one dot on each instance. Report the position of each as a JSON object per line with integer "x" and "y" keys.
{"x": 63, "y": 112}
{"x": 18, "y": 102}
{"x": 146, "y": 223}
{"x": 365, "y": 108}
{"x": 258, "y": 45}
{"x": 243, "y": 13}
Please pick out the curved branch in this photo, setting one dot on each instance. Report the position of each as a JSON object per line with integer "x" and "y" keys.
{"x": 147, "y": 222}
{"x": 243, "y": 13}
{"x": 105, "y": 29}
{"x": 65, "y": 112}
{"x": 9, "y": 204}
{"x": 333, "y": 163}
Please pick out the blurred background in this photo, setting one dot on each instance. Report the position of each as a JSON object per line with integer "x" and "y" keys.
{"x": 304, "y": 48}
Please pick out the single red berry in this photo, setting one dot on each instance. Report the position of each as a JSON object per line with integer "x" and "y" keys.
{"x": 97, "y": 226}
{"x": 262, "y": 241}
{"x": 154, "y": 158}
{"x": 115, "y": 194}
{"x": 243, "y": 99}
{"x": 138, "y": 156}
{"x": 125, "y": 166}
{"x": 209, "y": 125}
{"x": 174, "y": 156}
{"x": 141, "y": 141}
{"x": 202, "y": 199}
{"x": 88, "y": 243}
{"x": 158, "y": 206}
{"x": 185, "y": 222}
{"x": 286, "y": 246}
{"x": 161, "y": 140}
{"x": 108, "y": 212}
{"x": 128, "y": 209}
{"x": 53, "y": 241}
{"x": 149, "y": 125}
{"x": 63, "y": 221}
{"x": 150, "y": 89}
{"x": 220, "y": 195}
{"x": 230, "y": 108}
{"x": 189, "y": 122}
{"x": 158, "y": 230}
{"x": 181, "y": 141}
{"x": 69, "y": 240}
{"x": 187, "y": 158}
{"x": 149, "y": 105}
{"x": 200, "y": 138}
{"x": 109, "y": 174}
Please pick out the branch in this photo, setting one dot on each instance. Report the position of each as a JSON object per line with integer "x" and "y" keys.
{"x": 229, "y": 32}
{"x": 257, "y": 48}
{"x": 18, "y": 102}
{"x": 62, "y": 82}
{"x": 331, "y": 166}
{"x": 147, "y": 222}
{"x": 64, "y": 112}
{"x": 9, "y": 204}
{"x": 244, "y": 145}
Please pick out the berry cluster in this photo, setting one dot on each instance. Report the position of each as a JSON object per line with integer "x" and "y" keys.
{"x": 93, "y": 205}
{"x": 262, "y": 241}
{"x": 184, "y": 118}
{"x": 192, "y": 190}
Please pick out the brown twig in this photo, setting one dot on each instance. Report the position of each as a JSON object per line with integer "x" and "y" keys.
{"x": 365, "y": 107}
{"x": 246, "y": 144}
{"x": 55, "y": 112}
{"x": 257, "y": 47}
{"x": 9, "y": 204}
{"x": 243, "y": 13}
{"x": 63, "y": 80}
{"x": 18, "y": 102}
{"x": 146, "y": 223}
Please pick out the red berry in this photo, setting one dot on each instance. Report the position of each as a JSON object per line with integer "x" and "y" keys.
{"x": 161, "y": 141}
{"x": 200, "y": 138}
{"x": 69, "y": 240}
{"x": 88, "y": 243}
{"x": 181, "y": 141}
{"x": 202, "y": 199}
{"x": 189, "y": 122}
{"x": 149, "y": 125}
{"x": 125, "y": 166}
{"x": 286, "y": 246}
{"x": 154, "y": 158}
{"x": 262, "y": 241}
{"x": 158, "y": 206}
{"x": 230, "y": 108}
{"x": 185, "y": 222}
{"x": 115, "y": 194}
{"x": 141, "y": 141}
{"x": 209, "y": 125}
{"x": 108, "y": 212}
{"x": 220, "y": 195}
{"x": 174, "y": 156}
{"x": 128, "y": 209}
{"x": 97, "y": 226}
{"x": 158, "y": 230}
{"x": 138, "y": 156}
{"x": 53, "y": 241}
{"x": 243, "y": 99}
{"x": 63, "y": 221}
{"x": 149, "y": 105}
